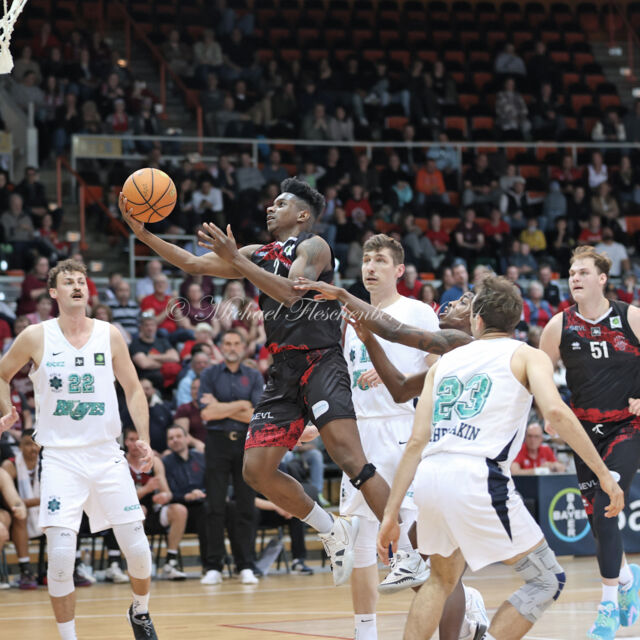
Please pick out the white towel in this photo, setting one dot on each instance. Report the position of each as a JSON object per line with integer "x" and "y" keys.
{"x": 28, "y": 491}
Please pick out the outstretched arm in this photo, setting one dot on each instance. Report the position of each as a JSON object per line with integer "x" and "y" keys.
{"x": 209, "y": 264}
{"x": 313, "y": 256}
{"x": 387, "y": 327}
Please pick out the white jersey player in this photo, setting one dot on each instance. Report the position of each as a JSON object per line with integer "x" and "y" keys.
{"x": 468, "y": 427}
{"x": 75, "y": 360}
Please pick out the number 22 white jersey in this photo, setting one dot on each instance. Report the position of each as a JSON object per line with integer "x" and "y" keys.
{"x": 479, "y": 407}
{"x": 76, "y": 403}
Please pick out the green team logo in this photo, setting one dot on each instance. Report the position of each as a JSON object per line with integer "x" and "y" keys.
{"x": 98, "y": 359}
{"x": 55, "y": 382}
{"x": 53, "y": 505}
{"x": 78, "y": 410}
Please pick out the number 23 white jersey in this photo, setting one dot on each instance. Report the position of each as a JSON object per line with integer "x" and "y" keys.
{"x": 76, "y": 403}
{"x": 479, "y": 407}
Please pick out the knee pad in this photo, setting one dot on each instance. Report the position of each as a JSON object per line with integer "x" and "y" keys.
{"x": 543, "y": 581}
{"x": 135, "y": 546}
{"x": 368, "y": 471}
{"x": 61, "y": 552}
{"x": 364, "y": 549}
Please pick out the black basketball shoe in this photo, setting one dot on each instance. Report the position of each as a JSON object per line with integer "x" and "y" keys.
{"x": 141, "y": 625}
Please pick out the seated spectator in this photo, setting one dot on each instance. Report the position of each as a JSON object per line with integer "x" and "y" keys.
{"x": 551, "y": 291}
{"x": 33, "y": 286}
{"x": 240, "y": 58}
{"x": 207, "y": 55}
{"x": 119, "y": 123}
{"x": 547, "y": 121}
{"x": 316, "y": 124}
{"x": 309, "y": 457}
{"x": 469, "y": 237}
{"x": 365, "y": 174}
{"x": 616, "y": 251}
{"x": 603, "y": 203}
{"x": 418, "y": 248}
{"x": 533, "y": 236}
{"x": 197, "y": 308}
{"x": 23, "y": 471}
{"x": 153, "y": 356}
{"x": 34, "y": 196}
{"x": 358, "y": 207}
{"x": 44, "y": 41}
{"x": 560, "y": 244}
{"x": 444, "y": 86}
{"x": 537, "y": 311}
{"x": 578, "y": 210}
{"x": 13, "y": 511}
{"x": 341, "y": 126}
{"x": 480, "y": 183}
{"x": 165, "y": 308}
{"x": 207, "y": 203}
{"x": 28, "y": 92}
{"x": 568, "y": 176}
{"x": 124, "y": 310}
{"x": 423, "y": 100}
{"x": 155, "y": 499}
{"x": 632, "y": 123}
{"x": 516, "y": 205}
{"x": 512, "y": 112}
{"x": 391, "y": 175}
{"x": 438, "y": 237}
{"x": 84, "y": 80}
{"x": 177, "y": 54}
{"x": 609, "y": 128}
{"x": 446, "y": 158}
{"x": 145, "y": 123}
{"x": 24, "y": 63}
{"x": 198, "y": 363}
{"x": 188, "y": 417}
{"x": 598, "y": 171}
{"x": 522, "y": 258}
{"x": 212, "y": 101}
{"x": 324, "y": 224}
{"x": 273, "y": 170}
{"x": 68, "y": 122}
{"x": 203, "y": 336}
{"x": 145, "y": 286}
{"x": 540, "y": 68}
{"x": 626, "y": 183}
{"x": 429, "y": 295}
{"x": 629, "y": 291}
{"x": 480, "y": 273}
{"x": 508, "y": 62}
{"x": 592, "y": 234}
{"x": 18, "y": 231}
{"x": 496, "y": 231}
{"x": 446, "y": 283}
{"x": 460, "y": 285}
{"x": 185, "y": 471}
{"x": 430, "y": 186}
{"x": 554, "y": 205}
{"x": 535, "y": 458}
{"x": 409, "y": 285}
{"x": 248, "y": 177}
{"x": 44, "y": 306}
{"x": 103, "y": 312}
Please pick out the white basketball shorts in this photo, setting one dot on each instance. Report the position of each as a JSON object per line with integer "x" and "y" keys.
{"x": 95, "y": 479}
{"x": 469, "y": 503}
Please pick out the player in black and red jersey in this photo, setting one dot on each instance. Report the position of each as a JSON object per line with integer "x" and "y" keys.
{"x": 309, "y": 380}
{"x": 599, "y": 343}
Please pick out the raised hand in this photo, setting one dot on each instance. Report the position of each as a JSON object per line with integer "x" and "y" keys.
{"x": 213, "y": 238}
{"x": 325, "y": 290}
{"x": 136, "y": 226}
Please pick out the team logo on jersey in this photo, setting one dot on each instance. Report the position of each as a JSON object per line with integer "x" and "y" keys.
{"x": 79, "y": 362}
{"x": 596, "y": 331}
{"x": 98, "y": 359}
{"x": 53, "y": 505}
{"x": 55, "y": 382}
{"x": 567, "y": 515}
{"x": 575, "y": 346}
{"x": 55, "y": 364}
{"x": 352, "y": 355}
{"x": 616, "y": 322}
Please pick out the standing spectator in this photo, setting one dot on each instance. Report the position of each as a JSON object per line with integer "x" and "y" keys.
{"x": 460, "y": 284}
{"x": 512, "y": 112}
{"x": 154, "y": 357}
{"x": 598, "y": 171}
{"x": 508, "y": 62}
{"x": 480, "y": 183}
{"x": 535, "y": 458}
{"x": 185, "y": 471}
{"x": 124, "y": 310}
{"x": 617, "y": 252}
{"x": 551, "y": 291}
{"x": 145, "y": 123}
{"x": 409, "y": 285}
{"x": 33, "y": 286}
{"x": 177, "y": 54}
{"x": 469, "y": 237}
{"x": 228, "y": 392}
{"x": 430, "y": 185}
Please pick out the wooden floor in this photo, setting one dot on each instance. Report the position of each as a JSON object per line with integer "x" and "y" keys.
{"x": 282, "y": 606}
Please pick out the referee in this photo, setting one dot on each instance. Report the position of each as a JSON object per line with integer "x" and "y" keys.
{"x": 228, "y": 392}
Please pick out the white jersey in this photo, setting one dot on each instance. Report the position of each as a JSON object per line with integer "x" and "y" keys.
{"x": 479, "y": 407}
{"x": 76, "y": 403}
{"x": 377, "y": 402}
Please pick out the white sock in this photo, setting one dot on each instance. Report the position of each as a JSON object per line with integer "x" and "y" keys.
{"x": 465, "y": 629}
{"x": 319, "y": 519}
{"x": 365, "y": 626}
{"x": 140, "y": 603}
{"x": 626, "y": 577}
{"x": 403, "y": 541}
{"x": 610, "y": 593}
{"x": 67, "y": 630}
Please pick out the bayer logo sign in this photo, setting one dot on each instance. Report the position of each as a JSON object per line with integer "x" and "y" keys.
{"x": 567, "y": 516}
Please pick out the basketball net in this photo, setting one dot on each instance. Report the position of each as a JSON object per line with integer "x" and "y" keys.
{"x": 7, "y": 23}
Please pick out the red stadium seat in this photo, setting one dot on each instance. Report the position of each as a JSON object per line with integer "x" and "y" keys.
{"x": 458, "y": 123}
{"x": 608, "y": 101}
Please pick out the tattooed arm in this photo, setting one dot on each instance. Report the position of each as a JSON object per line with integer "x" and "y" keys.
{"x": 387, "y": 327}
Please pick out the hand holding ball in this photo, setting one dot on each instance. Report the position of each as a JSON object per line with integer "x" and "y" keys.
{"x": 151, "y": 195}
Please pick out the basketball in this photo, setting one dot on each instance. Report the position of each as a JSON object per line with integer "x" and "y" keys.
{"x": 150, "y": 193}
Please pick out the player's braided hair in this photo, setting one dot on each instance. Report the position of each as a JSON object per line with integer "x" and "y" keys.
{"x": 499, "y": 304}
{"x": 66, "y": 266}
{"x": 301, "y": 190}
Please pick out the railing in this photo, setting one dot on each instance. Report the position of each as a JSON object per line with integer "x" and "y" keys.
{"x": 85, "y": 196}
{"x": 190, "y": 96}
{"x": 631, "y": 36}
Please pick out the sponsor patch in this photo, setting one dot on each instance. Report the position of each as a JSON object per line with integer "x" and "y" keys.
{"x": 320, "y": 408}
{"x": 98, "y": 359}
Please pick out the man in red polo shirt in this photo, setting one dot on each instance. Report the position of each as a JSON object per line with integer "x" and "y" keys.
{"x": 535, "y": 458}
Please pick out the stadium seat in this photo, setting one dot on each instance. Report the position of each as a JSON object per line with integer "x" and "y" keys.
{"x": 632, "y": 224}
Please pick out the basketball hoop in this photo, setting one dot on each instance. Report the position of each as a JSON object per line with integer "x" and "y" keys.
{"x": 7, "y": 22}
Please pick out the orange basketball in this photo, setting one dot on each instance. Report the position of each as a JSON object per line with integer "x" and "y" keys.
{"x": 150, "y": 193}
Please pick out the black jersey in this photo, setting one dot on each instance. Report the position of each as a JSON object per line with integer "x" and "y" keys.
{"x": 603, "y": 369}
{"x": 309, "y": 324}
